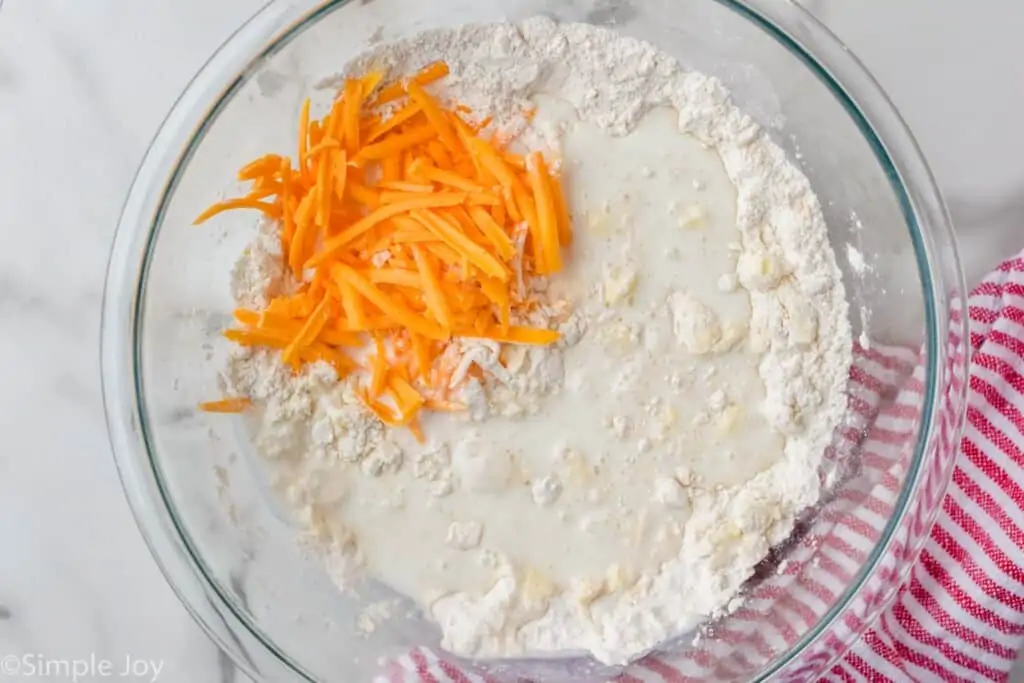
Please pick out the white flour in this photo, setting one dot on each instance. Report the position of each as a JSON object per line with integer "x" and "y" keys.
{"x": 326, "y": 449}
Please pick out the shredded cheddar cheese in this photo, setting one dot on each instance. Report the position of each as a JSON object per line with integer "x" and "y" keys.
{"x": 227, "y": 405}
{"x": 402, "y": 232}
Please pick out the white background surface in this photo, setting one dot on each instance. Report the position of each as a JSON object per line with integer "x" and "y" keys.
{"x": 83, "y": 87}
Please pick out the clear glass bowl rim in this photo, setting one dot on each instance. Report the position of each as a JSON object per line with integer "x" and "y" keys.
{"x": 231, "y": 66}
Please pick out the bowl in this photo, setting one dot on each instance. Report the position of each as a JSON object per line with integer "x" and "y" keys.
{"x": 231, "y": 556}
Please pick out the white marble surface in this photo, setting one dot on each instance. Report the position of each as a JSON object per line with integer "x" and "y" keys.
{"x": 83, "y": 86}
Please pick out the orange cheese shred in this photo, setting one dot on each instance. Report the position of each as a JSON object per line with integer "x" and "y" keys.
{"x": 435, "y": 116}
{"x": 226, "y": 406}
{"x": 561, "y": 212}
{"x": 528, "y": 210}
{"x": 232, "y": 204}
{"x": 391, "y": 308}
{"x": 299, "y": 248}
{"x": 325, "y": 189}
{"x": 303, "y": 135}
{"x": 431, "y": 284}
{"x": 450, "y": 179}
{"x": 310, "y": 331}
{"x": 492, "y": 162}
{"x": 428, "y": 75}
{"x": 259, "y": 168}
{"x": 523, "y": 335}
{"x": 353, "y": 99}
{"x": 440, "y": 155}
{"x": 352, "y": 305}
{"x": 394, "y": 276}
{"x": 383, "y": 413}
{"x": 483, "y": 199}
{"x": 458, "y": 241}
{"x": 340, "y": 174}
{"x": 379, "y": 368}
{"x": 364, "y": 195}
{"x": 397, "y": 119}
{"x": 547, "y": 217}
{"x": 267, "y": 328}
{"x": 383, "y": 213}
{"x": 401, "y": 186}
{"x": 421, "y": 350}
{"x": 391, "y": 169}
{"x": 408, "y": 399}
{"x": 393, "y": 144}
{"x": 494, "y": 233}
{"x": 325, "y": 144}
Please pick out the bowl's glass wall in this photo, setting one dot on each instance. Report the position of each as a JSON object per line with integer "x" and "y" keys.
{"x": 234, "y": 557}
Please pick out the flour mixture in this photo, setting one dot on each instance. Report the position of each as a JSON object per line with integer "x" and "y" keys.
{"x": 559, "y": 429}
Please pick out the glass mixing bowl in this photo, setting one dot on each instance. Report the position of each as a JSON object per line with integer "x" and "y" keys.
{"x": 232, "y": 557}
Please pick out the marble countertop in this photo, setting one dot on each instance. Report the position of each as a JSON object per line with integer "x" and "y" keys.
{"x": 84, "y": 85}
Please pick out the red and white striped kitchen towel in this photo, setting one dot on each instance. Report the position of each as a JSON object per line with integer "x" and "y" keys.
{"x": 959, "y": 614}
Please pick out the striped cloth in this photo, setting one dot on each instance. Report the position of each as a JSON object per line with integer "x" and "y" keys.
{"x": 959, "y": 612}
